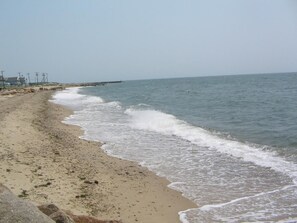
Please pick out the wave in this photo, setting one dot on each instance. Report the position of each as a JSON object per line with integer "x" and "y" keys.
{"x": 157, "y": 121}
{"x": 212, "y": 206}
{"x": 71, "y": 97}
{"x": 143, "y": 117}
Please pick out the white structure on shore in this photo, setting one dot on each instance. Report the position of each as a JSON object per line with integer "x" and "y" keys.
{"x": 15, "y": 81}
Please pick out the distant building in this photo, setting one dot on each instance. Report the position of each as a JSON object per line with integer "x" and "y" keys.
{"x": 12, "y": 81}
{"x": 15, "y": 81}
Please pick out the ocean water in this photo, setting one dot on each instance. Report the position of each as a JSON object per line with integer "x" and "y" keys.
{"x": 228, "y": 143}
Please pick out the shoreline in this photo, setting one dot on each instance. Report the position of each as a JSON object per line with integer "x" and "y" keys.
{"x": 49, "y": 161}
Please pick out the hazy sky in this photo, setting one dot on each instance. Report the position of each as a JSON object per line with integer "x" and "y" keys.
{"x": 99, "y": 40}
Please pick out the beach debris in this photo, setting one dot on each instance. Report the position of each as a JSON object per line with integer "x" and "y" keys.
{"x": 88, "y": 182}
{"x": 23, "y": 194}
{"x": 81, "y": 196}
{"x": 43, "y": 185}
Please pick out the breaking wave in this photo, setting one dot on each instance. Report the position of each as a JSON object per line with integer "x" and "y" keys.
{"x": 167, "y": 124}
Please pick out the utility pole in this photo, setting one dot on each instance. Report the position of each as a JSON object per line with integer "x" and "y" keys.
{"x": 46, "y": 77}
{"x": 19, "y": 82}
{"x": 43, "y": 77}
{"x": 36, "y": 77}
{"x": 28, "y": 74}
{"x": 23, "y": 80}
{"x": 3, "y": 85}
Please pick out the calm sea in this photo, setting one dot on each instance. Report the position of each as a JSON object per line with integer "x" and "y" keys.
{"x": 229, "y": 143}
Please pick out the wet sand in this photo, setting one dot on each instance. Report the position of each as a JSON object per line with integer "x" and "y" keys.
{"x": 43, "y": 160}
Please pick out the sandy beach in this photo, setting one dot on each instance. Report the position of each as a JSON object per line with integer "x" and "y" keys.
{"x": 45, "y": 161}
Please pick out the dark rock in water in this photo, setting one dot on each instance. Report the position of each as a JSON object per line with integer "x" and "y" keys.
{"x": 16, "y": 210}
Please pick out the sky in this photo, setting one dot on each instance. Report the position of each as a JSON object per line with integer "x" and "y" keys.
{"x": 105, "y": 40}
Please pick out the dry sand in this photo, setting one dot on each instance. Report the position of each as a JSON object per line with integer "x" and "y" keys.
{"x": 43, "y": 160}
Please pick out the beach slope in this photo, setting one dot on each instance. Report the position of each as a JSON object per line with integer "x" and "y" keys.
{"x": 43, "y": 160}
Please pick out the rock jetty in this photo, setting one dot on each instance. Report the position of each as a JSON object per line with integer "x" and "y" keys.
{"x": 17, "y": 210}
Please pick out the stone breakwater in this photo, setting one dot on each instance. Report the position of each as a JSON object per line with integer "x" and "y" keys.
{"x": 14, "y": 209}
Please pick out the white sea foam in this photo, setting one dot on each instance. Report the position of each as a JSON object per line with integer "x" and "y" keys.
{"x": 115, "y": 104}
{"x": 71, "y": 97}
{"x": 183, "y": 216}
{"x": 167, "y": 124}
{"x": 212, "y": 206}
